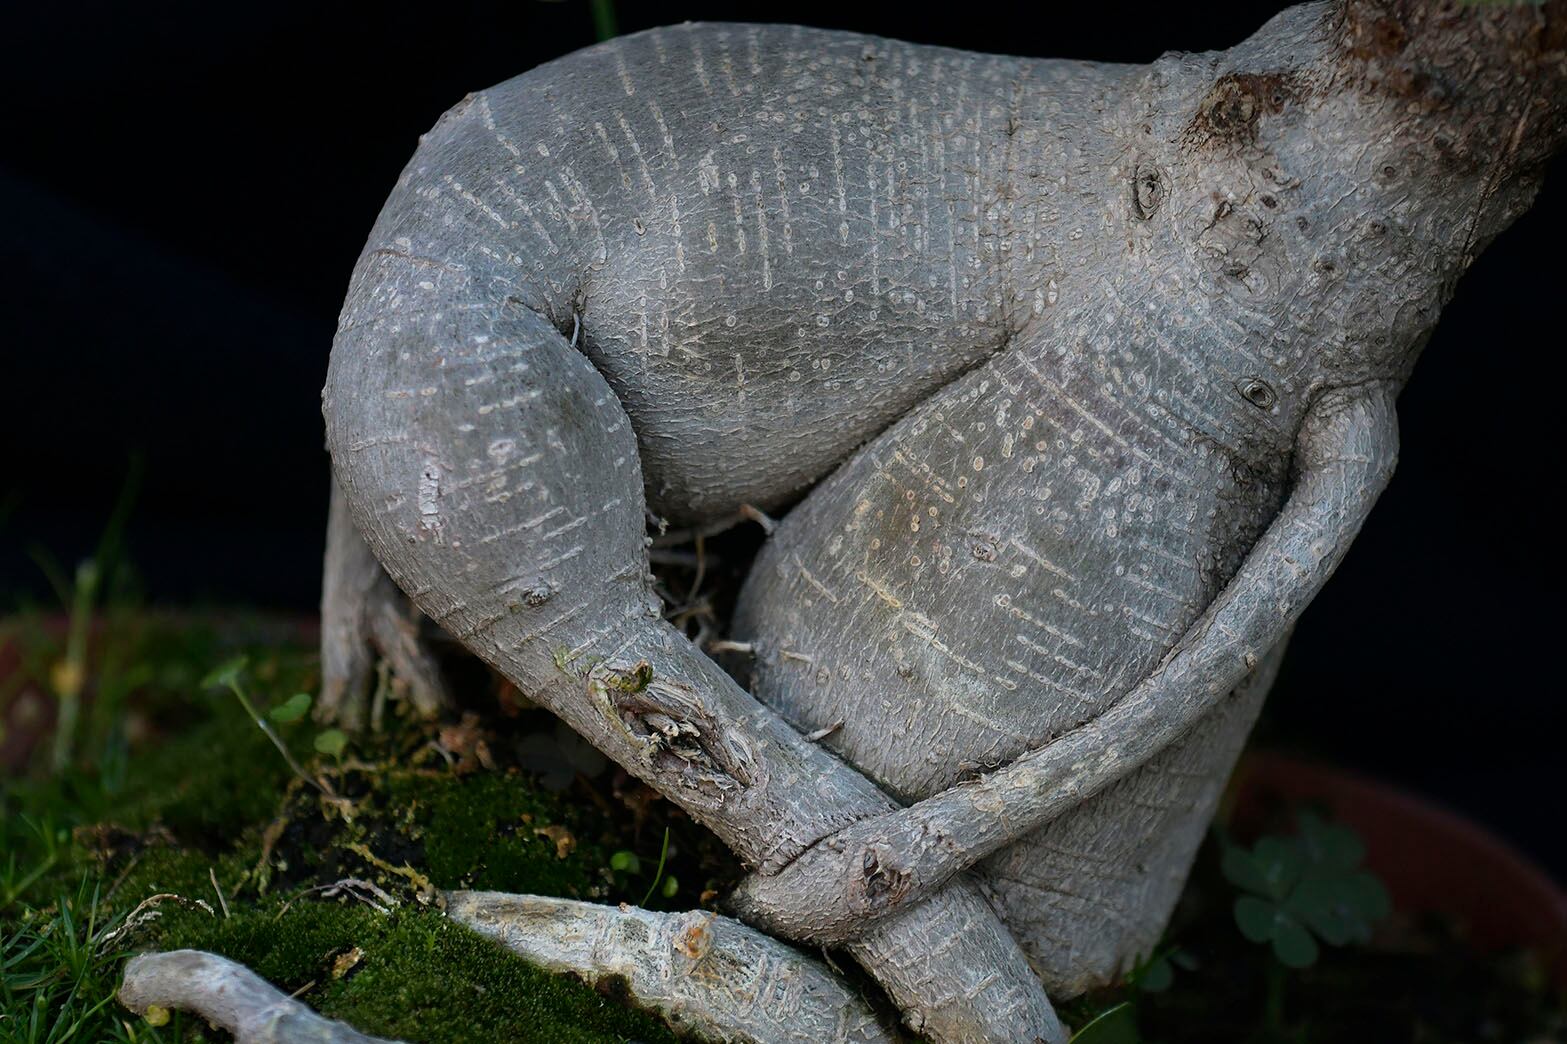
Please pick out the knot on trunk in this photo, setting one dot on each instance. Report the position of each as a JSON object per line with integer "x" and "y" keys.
{"x": 1228, "y": 114}
{"x": 884, "y": 881}
{"x": 675, "y": 730}
{"x": 1148, "y": 187}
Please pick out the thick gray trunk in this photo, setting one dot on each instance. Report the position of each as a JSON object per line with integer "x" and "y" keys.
{"x": 1079, "y": 317}
{"x": 878, "y": 866}
{"x": 522, "y": 536}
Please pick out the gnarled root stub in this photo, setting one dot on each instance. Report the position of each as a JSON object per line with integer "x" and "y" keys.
{"x": 229, "y": 995}
{"x": 701, "y": 972}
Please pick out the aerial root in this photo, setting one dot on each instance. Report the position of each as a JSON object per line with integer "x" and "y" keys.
{"x": 399, "y": 634}
{"x": 366, "y": 618}
{"x": 231, "y": 996}
{"x": 701, "y": 972}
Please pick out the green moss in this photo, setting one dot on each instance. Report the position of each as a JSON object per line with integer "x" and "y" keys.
{"x": 492, "y": 832}
{"x": 420, "y": 977}
{"x": 207, "y": 785}
{"x": 205, "y": 802}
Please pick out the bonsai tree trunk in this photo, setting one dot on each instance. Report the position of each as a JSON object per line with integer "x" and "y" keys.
{"x": 1105, "y": 359}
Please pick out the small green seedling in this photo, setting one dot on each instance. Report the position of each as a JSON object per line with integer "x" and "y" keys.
{"x": 291, "y": 710}
{"x": 1299, "y": 890}
{"x": 629, "y": 863}
{"x": 1114, "y": 1025}
{"x": 332, "y": 742}
{"x": 82, "y": 599}
{"x": 1118, "y": 1023}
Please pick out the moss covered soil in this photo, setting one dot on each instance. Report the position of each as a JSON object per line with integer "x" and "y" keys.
{"x": 179, "y": 824}
{"x": 175, "y": 822}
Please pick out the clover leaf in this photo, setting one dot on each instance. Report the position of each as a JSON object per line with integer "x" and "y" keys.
{"x": 1297, "y": 891}
{"x": 226, "y": 674}
{"x": 291, "y": 709}
{"x": 331, "y": 742}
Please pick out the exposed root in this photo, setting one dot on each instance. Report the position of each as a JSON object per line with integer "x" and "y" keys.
{"x": 760, "y": 517}
{"x": 147, "y": 911}
{"x": 364, "y": 617}
{"x": 366, "y": 892}
{"x": 229, "y": 995}
{"x": 702, "y": 972}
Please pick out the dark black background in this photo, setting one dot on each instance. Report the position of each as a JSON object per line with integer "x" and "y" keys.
{"x": 185, "y": 188}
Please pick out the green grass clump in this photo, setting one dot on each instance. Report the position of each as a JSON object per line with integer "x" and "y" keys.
{"x": 59, "y": 967}
{"x": 177, "y": 793}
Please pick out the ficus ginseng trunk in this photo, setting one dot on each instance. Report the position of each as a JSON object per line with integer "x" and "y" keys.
{"x": 1103, "y": 356}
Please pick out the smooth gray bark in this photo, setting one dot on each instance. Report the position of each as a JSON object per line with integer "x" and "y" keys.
{"x": 703, "y": 973}
{"x": 1347, "y": 450}
{"x": 231, "y": 996}
{"x": 1062, "y": 328}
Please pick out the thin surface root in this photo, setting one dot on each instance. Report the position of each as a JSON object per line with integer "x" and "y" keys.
{"x": 703, "y": 973}
{"x": 231, "y": 996}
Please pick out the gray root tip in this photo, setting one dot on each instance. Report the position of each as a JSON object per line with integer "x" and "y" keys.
{"x": 229, "y": 995}
{"x": 701, "y": 972}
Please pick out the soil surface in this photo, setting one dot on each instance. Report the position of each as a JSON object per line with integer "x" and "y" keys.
{"x": 178, "y": 823}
